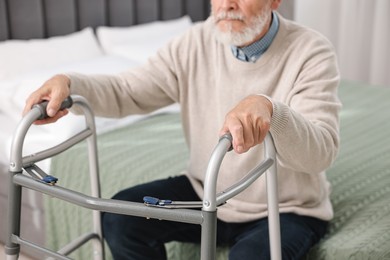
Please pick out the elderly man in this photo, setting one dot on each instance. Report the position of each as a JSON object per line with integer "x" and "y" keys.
{"x": 245, "y": 70}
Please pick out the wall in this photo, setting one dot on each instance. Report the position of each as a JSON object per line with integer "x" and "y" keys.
{"x": 359, "y": 30}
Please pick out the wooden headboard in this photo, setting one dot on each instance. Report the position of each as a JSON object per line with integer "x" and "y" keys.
{"x": 27, "y": 19}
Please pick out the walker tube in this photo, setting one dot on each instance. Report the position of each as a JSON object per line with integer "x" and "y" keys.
{"x": 15, "y": 192}
{"x": 17, "y": 163}
{"x": 111, "y": 205}
{"x": 273, "y": 202}
{"x": 211, "y": 200}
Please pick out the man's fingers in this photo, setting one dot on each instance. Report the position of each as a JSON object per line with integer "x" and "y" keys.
{"x": 53, "y": 107}
{"x": 53, "y": 119}
{"x": 58, "y": 95}
{"x": 54, "y": 90}
{"x": 235, "y": 128}
{"x": 248, "y": 122}
{"x": 33, "y": 99}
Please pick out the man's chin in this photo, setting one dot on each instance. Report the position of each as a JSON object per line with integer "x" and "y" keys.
{"x": 228, "y": 34}
{"x": 230, "y": 26}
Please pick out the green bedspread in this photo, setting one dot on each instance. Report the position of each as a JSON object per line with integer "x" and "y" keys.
{"x": 154, "y": 148}
{"x": 360, "y": 178}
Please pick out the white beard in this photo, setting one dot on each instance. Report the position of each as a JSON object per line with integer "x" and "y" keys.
{"x": 249, "y": 34}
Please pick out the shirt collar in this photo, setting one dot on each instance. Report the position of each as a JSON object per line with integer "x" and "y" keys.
{"x": 253, "y": 52}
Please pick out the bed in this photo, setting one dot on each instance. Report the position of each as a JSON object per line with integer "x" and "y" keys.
{"x": 94, "y": 42}
{"x": 40, "y": 38}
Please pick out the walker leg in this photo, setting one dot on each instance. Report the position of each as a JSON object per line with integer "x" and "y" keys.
{"x": 273, "y": 202}
{"x": 97, "y": 244}
{"x": 273, "y": 215}
{"x": 13, "y": 226}
{"x": 209, "y": 235}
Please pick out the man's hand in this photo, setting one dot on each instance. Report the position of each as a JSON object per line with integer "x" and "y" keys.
{"x": 55, "y": 90}
{"x": 248, "y": 122}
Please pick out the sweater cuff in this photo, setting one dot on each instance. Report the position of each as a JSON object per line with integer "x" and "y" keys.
{"x": 75, "y": 81}
{"x": 270, "y": 100}
{"x": 279, "y": 116}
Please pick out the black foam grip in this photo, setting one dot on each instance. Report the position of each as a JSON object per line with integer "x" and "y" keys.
{"x": 67, "y": 103}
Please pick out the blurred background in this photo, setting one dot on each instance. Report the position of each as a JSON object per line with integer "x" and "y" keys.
{"x": 359, "y": 31}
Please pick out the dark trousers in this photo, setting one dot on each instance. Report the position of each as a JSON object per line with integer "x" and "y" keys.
{"x": 140, "y": 238}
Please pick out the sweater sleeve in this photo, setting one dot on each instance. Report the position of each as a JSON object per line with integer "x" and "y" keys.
{"x": 136, "y": 91}
{"x": 306, "y": 127}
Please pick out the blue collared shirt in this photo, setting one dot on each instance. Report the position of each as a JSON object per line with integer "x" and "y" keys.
{"x": 252, "y": 53}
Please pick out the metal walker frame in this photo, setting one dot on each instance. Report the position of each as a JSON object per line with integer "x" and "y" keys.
{"x": 43, "y": 183}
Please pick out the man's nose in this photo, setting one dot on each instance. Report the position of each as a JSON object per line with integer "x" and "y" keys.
{"x": 229, "y": 5}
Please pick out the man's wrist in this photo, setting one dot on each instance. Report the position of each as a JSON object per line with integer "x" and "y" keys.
{"x": 65, "y": 78}
{"x": 270, "y": 103}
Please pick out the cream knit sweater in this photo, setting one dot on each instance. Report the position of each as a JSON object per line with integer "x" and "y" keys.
{"x": 298, "y": 72}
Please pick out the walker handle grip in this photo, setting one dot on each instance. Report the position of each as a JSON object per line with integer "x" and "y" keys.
{"x": 229, "y": 137}
{"x": 67, "y": 103}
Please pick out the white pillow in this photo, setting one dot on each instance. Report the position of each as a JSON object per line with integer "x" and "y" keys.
{"x": 21, "y": 56}
{"x": 15, "y": 91}
{"x": 139, "y": 42}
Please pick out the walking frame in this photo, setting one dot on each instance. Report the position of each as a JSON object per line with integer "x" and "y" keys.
{"x": 21, "y": 167}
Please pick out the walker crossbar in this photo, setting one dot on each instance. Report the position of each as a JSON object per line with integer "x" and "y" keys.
{"x": 207, "y": 217}
{"x": 109, "y": 205}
